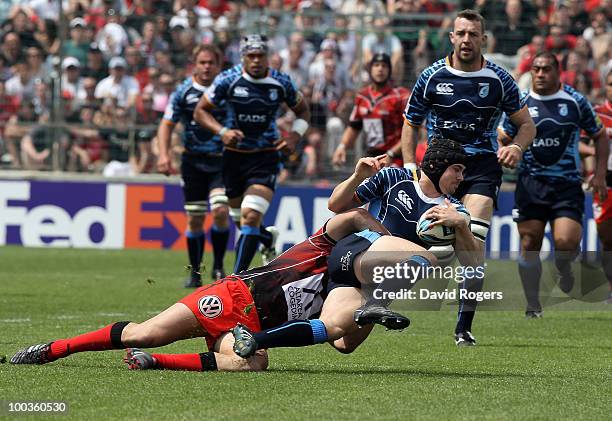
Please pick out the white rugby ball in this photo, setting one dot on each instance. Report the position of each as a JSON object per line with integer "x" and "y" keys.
{"x": 438, "y": 235}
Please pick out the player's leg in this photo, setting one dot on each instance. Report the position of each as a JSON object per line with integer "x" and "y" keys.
{"x": 567, "y": 234}
{"x": 221, "y": 358}
{"x": 173, "y": 324}
{"x": 530, "y": 266}
{"x": 219, "y": 233}
{"x": 604, "y": 231}
{"x": 480, "y": 208}
{"x": 254, "y": 205}
{"x": 195, "y": 192}
{"x": 335, "y": 321}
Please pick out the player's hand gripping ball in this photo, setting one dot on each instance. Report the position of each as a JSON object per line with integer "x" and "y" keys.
{"x": 438, "y": 234}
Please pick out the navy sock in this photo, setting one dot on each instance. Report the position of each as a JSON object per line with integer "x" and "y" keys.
{"x": 392, "y": 285}
{"x": 246, "y": 247}
{"x": 467, "y": 307}
{"x": 264, "y": 236}
{"x": 530, "y": 272}
{"x": 292, "y": 334}
{"x": 219, "y": 238}
{"x": 195, "y": 249}
{"x": 563, "y": 262}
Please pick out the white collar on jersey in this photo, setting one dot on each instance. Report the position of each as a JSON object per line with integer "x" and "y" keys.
{"x": 197, "y": 86}
{"x": 483, "y": 71}
{"x": 435, "y": 200}
{"x": 560, "y": 94}
{"x": 267, "y": 80}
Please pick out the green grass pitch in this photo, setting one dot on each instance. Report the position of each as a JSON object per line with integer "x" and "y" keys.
{"x": 556, "y": 367}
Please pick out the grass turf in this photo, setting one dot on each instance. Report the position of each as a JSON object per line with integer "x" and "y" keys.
{"x": 557, "y": 367}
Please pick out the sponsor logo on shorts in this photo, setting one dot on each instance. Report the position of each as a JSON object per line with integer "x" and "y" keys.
{"x": 345, "y": 261}
{"x": 444, "y": 89}
{"x": 210, "y": 306}
{"x": 295, "y": 302}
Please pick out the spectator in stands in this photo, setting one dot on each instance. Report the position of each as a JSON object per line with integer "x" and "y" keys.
{"x": 319, "y": 13}
{"x": 35, "y": 144}
{"x": 5, "y": 71}
{"x": 85, "y": 96}
{"x": 578, "y": 16}
{"x": 11, "y": 48}
{"x": 436, "y": 7}
{"x": 163, "y": 61}
{"x": 21, "y": 25}
{"x": 514, "y": 31}
{"x": 112, "y": 38}
{"x": 41, "y": 99}
{"x": 35, "y": 60}
{"x": 361, "y": 12}
{"x": 9, "y": 105}
{"x": 77, "y": 46}
{"x": 576, "y": 71}
{"x": 228, "y": 44}
{"x": 292, "y": 66}
{"x": 527, "y": 53}
{"x": 135, "y": 66}
{"x": 88, "y": 151}
{"x": 97, "y": 16}
{"x": 161, "y": 87}
{"x": 383, "y": 41}
{"x": 95, "y": 65}
{"x": 150, "y": 42}
{"x": 558, "y": 40}
{"x": 72, "y": 82}
{"x": 599, "y": 34}
{"x": 347, "y": 44}
{"x": 21, "y": 84}
{"x": 318, "y": 68}
{"x": 124, "y": 89}
{"x": 296, "y": 40}
{"x": 46, "y": 36}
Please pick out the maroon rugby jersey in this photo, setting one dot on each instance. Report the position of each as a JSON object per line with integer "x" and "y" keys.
{"x": 294, "y": 285}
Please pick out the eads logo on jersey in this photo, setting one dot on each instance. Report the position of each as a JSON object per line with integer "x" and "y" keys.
{"x": 405, "y": 200}
{"x": 210, "y": 306}
{"x": 444, "y": 89}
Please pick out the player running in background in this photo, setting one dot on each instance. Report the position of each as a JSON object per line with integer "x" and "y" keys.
{"x": 602, "y": 209}
{"x": 462, "y": 97}
{"x": 200, "y": 166}
{"x": 294, "y": 286}
{"x": 549, "y": 186}
{"x": 252, "y": 94}
{"x": 397, "y": 198}
{"x": 378, "y": 112}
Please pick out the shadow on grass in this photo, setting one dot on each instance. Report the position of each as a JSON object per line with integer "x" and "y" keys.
{"x": 401, "y": 371}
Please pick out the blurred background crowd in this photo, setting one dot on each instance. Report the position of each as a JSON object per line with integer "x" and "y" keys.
{"x": 84, "y": 83}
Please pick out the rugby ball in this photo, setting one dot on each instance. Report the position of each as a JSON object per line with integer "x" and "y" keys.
{"x": 438, "y": 235}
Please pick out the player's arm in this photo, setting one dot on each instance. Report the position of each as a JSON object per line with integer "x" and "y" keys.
{"x": 354, "y": 220}
{"x": 343, "y": 197}
{"x": 301, "y": 123}
{"x": 509, "y": 156}
{"x": 602, "y": 150}
{"x": 416, "y": 111}
{"x": 409, "y": 141}
{"x": 348, "y": 141}
{"x": 466, "y": 245}
{"x": 164, "y": 134}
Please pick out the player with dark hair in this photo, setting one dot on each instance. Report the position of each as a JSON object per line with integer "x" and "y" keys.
{"x": 398, "y": 198}
{"x": 252, "y": 94}
{"x": 602, "y": 209}
{"x": 462, "y": 97}
{"x": 200, "y": 166}
{"x": 549, "y": 187}
{"x": 294, "y": 286}
{"x": 378, "y": 112}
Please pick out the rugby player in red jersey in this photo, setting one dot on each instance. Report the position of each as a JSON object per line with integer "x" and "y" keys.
{"x": 603, "y": 210}
{"x": 378, "y": 112}
{"x": 260, "y": 298}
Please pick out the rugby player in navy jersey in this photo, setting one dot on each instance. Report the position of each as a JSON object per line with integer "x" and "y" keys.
{"x": 398, "y": 197}
{"x": 462, "y": 97}
{"x": 549, "y": 187}
{"x": 252, "y": 94}
{"x": 294, "y": 286}
{"x": 200, "y": 164}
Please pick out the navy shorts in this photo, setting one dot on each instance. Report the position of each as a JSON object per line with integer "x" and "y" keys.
{"x": 201, "y": 174}
{"x": 482, "y": 175}
{"x": 546, "y": 200}
{"x": 241, "y": 170}
{"x": 342, "y": 258}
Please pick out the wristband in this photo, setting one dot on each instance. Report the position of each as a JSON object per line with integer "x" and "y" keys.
{"x": 391, "y": 154}
{"x": 517, "y": 146}
{"x": 341, "y": 146}
{"x": 222, "y": 131}
{"x": 300, "y": 126}
{"x": 410, "y": 166}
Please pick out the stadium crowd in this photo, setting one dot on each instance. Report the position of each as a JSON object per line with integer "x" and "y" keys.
{"x": 93, "y": 101}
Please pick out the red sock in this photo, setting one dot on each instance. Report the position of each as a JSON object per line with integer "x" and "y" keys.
{"x": 190, "y": 362}
{"x": 108, "y": 337}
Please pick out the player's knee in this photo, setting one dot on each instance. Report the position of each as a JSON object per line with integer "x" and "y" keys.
{"x": 138, "y": 335}
{"x": 253, "y": 208}
{"x": 195, "y": 222}
{"x": 531, "y": 242}
{"x": 220, "y": 216}
{"x": 346, "y": 349}
{"x": 566, "y": 243}
{"x": 250, "y": 218}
